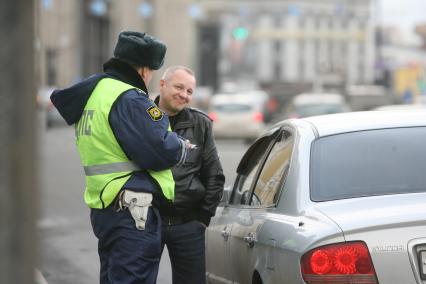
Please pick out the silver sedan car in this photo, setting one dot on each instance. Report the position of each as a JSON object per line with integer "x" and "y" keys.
{"x": 338, "y": 198}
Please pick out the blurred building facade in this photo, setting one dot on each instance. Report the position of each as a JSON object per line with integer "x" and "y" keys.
{"x": 294, "y": 45}
{"x": 304, "y": 43}
{"x": 402, "y": 65}
{"x": 75, "y": 37}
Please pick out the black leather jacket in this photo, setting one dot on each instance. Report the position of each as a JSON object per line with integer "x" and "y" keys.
{"x": 200, "y": 181}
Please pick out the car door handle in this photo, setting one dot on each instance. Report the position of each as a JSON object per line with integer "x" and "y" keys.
{"x": 225, "y": 233}
{"x": 250, "y": 239}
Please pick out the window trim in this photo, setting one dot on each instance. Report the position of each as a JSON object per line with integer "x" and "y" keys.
{"x": 262, "y": 160}
{"x": 284, "y": 132}
{"x": 287, "y": 135}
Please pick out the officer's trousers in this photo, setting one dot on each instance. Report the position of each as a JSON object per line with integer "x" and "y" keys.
{"x": 127, "y": 255}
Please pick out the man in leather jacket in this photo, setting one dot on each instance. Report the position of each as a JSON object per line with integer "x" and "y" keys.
{"x": 199, "y": 181}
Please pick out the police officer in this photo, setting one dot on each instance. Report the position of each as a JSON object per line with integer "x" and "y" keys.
{"x": 199, "y": 181}
{"x": 127, "y": 149}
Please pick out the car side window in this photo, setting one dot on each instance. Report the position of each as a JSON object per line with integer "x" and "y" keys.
{"x": 248, "y": 172}
{"x": 273, "y": 173}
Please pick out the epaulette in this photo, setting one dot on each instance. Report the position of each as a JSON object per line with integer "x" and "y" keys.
{"x": 140, "y": 91}
{"x": 197, "y": 110}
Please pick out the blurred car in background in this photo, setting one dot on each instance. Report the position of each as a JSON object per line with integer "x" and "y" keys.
{"x": 201, "y": 98}
{"x": 238, "y": 115}
{"x": 48, "y": 110}
{"x": 367, "y": 97}
{"x": 336, "y": 198}
{"x": 310, "y": 104}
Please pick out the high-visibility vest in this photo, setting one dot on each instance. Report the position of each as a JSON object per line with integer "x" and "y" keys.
{"x": 106, "y": 166}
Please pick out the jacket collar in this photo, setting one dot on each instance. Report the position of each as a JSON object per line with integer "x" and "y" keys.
{"x": 185, "y": 118}
{"x": 124, "y": 72}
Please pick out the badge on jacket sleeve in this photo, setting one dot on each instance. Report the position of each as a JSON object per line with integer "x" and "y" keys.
{"x": 155, "y": 113}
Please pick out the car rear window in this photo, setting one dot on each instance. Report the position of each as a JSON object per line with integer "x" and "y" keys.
{"x": 232, "y": 107}
{"x": 366, "y": 163}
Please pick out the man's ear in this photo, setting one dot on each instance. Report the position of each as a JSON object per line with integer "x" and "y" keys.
{"x": 143, "y": 72}
{"x": 146, "y": 71}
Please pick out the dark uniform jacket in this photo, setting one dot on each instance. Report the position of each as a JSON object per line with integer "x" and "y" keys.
{"x": 140, "y": 137}
{"x": 200, "y": 180}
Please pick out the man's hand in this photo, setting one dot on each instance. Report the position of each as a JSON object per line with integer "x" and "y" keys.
{"x": 189, "y": 145}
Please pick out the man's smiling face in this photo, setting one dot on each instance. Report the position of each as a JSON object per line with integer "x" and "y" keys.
{"x": 176, "y": 91}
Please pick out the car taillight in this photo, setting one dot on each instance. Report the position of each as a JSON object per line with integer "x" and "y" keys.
{"x": 258, "y": 116}
{"x": 339, "y": 263}
{"x": 213, "y": 116}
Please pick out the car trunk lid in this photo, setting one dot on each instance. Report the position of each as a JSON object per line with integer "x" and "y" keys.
{"x": 394, "y": 229}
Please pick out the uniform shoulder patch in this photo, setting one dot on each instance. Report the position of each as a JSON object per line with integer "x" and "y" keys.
{"x": 155, "y": 113}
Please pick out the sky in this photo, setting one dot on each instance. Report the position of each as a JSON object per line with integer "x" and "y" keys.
{"x": 404, "y": 14}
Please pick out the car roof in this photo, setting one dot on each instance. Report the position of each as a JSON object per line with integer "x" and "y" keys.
{"x": 357, "y": 121}
{"x": 401, "y": 107}
{"x": 338, "y": 123}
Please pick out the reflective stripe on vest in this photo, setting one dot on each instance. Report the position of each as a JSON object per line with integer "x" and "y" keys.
{"x": 106, "y": 165}
{"x": 110, "y": 168}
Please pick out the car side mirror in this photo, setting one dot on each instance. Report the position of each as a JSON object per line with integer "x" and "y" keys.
{"x": 226, "y": 196}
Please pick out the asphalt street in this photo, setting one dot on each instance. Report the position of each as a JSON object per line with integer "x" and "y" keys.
{"x": 67, "y": 248}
